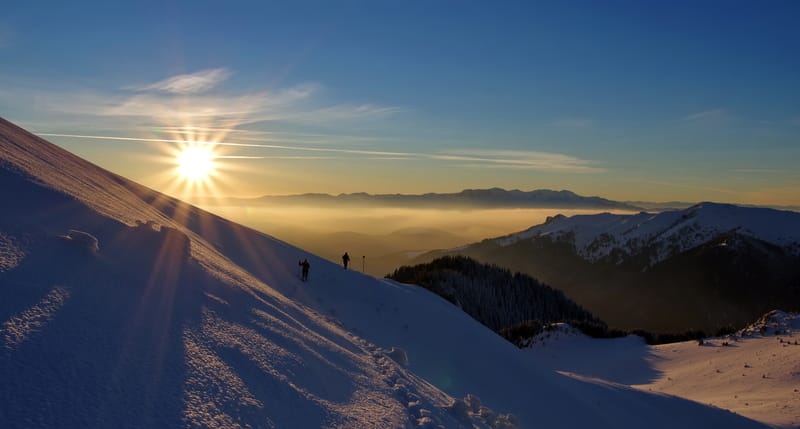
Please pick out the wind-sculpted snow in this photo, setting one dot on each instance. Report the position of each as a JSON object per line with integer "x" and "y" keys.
{"x": 17, "y": 329}
{"x": 183, "y": 319}
{"x": 665, "y": 234}
{"x": 10, "y": 252}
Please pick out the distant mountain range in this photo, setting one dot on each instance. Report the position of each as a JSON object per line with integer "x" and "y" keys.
{"x": 485, "y": 198}
{"x": 704, "y": 267}
{"x": 475, "y": 198}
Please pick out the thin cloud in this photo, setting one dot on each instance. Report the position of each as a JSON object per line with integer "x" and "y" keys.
{"x": 520, "y": 159}
{"x": 345, "y": 111}
{"x": 297, "y": 104}
{"x": 471, "y": 158}
{"x": 238, "y": 157}
{"x": 756, "y": 170}
{"x": 192, "y": 83}
{"x": 233, "y": 144}
{"x": 712, "y": 114}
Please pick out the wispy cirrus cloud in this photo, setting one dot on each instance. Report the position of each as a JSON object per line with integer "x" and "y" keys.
{"x": 296, "y": 104}
{"x": 294, "y": 148}
{"x": 520, "y": 159}
{"x": 469, "y": 158}
{"x": 757, "y": 170}
{"x": 182, "y": 109}
{"x": 716, "y": 114}
{"x": 348, "y": 111}
{"x": 192, "y": 83}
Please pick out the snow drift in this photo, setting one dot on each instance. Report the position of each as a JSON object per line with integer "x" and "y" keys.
{"x": 121, "y": 307}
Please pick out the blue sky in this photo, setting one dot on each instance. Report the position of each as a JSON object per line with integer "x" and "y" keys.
{"x": 628, "y": 100}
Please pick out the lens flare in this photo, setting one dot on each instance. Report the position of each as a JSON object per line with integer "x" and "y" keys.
{"x": 196, "y": 163}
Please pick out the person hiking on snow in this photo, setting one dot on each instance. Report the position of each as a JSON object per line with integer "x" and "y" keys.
{"x": 345, "y": 260}
{"x": 305, "y": 266}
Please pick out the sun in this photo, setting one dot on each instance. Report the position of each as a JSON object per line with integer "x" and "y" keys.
{"x": 196, "y": 163}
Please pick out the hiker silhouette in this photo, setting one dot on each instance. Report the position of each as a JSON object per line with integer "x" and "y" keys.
{"x": 345, "y": 260}
{"x": 305, "y": 266}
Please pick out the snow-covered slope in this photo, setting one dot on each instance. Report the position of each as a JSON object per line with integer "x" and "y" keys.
{"x": 121, "y": 307}
{"x": 661, "y": 235}
{"x": 755, "y": 373}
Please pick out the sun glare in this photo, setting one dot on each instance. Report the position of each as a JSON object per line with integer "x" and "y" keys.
{"x": 196, "y": 163}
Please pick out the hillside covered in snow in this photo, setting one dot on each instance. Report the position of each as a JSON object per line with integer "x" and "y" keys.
{"x": 754, "y": 372}
{"x": 123, "y": 308}
{"x": 708, "y": 267}
{"x": 658, "y": 236}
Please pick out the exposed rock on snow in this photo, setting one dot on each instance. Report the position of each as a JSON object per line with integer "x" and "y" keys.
{"x": 83, "y": 239}
{"x": 398, "y": 355}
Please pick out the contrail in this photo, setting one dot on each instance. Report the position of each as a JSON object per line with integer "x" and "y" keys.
{"x": 254, "y": 145}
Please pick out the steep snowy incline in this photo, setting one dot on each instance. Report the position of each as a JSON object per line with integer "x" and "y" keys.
{"x": 667, "y": 233}
{"x": 121, "y": 307}
{"x": 103, "y": 324}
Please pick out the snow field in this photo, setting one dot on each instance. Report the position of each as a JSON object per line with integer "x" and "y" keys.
{"x": 755, "y": 373}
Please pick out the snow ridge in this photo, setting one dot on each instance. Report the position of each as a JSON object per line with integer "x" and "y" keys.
{"x": 662, "y": 235}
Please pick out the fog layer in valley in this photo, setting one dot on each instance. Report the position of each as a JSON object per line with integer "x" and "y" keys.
{"x": 386, "y": 237}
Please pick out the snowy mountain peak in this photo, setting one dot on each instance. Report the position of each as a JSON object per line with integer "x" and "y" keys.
{"x": 776, "y": 322}
{"x": 661, "y": 235}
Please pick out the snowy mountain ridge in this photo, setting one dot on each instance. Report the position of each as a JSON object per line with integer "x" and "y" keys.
{"x": 659, "y": 236}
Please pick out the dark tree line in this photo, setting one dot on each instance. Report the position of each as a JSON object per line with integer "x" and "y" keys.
{"x": 517, "y": 306}
{"x": 493, "y": 295}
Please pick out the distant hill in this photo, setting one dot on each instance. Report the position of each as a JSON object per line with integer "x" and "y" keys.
{"x": 482, "y": 198}
{"x": 705, "y": 267}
